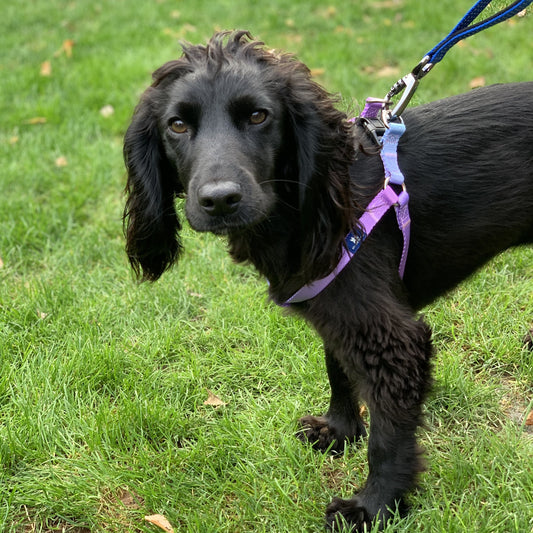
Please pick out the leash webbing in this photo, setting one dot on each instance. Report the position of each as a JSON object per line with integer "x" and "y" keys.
{"x": 463, "y": 29}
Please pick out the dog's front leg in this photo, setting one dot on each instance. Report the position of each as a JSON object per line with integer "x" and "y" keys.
{"x": 342, "y": 423}
{"x": 394, "y": 367}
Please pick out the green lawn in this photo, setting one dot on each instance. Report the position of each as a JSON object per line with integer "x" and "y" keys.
{"x": 103, "y": 381}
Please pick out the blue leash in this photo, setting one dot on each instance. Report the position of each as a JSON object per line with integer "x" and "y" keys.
{"x": 463, "y": 28}
{"x": 461, "y": 31}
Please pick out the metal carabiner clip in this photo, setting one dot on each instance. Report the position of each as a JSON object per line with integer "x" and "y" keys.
{"x": 408, "y": 84}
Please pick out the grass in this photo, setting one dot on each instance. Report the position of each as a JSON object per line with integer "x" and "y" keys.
{"x": 103, "y": 381}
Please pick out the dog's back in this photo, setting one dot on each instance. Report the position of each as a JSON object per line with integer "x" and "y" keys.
{"x": 468, "y": 163}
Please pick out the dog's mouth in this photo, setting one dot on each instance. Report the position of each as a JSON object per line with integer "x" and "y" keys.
{"x": 243, "y": 218}
{"x": 223, "y": 226}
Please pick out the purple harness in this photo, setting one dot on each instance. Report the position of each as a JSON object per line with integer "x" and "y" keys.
{"x": 381, "y": 203}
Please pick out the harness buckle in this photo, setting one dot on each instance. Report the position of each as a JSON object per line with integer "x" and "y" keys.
{"x": 375, "y": 127}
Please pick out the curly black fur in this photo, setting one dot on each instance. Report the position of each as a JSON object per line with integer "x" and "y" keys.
{"x": 263, "y": 156}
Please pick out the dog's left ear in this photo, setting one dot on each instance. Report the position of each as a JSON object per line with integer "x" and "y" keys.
{"x": 323, "y": 148}
{"x": 150, "y": 220}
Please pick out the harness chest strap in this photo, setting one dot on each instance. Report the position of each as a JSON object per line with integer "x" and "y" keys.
{"x": 381, "y": 203}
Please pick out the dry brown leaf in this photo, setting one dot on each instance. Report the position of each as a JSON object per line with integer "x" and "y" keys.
{"x": 160, "y": 521}
{"x": 67, "y": 47}
{"x": 46, "y": 68}
{"x": 475, "y": 83}
{"x": 214, "y": 400}
{"x": 36, "y": 120}
{"x": 317, "y": 71}
{"x": 61, "y": 161}
{"x": 529, "y": 419}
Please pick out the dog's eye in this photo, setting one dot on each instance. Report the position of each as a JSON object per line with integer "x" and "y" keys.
{"x": 258, "y": 117}
{"x": 178, "y": 126}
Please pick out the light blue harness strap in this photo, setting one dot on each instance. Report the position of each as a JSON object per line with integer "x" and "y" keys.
{"x": 393, "y": 174}
{"x": 389, "y": 152}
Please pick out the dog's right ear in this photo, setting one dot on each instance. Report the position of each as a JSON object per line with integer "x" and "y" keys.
{"x": 151, "y": 224}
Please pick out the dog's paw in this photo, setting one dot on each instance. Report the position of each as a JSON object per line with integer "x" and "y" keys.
{"x": 348, "y": 514}
{"x": 323, "y": 436}
{"x": 362, "y": 512}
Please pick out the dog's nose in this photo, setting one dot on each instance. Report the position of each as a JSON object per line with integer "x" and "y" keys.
{"x": 220, "y": 198}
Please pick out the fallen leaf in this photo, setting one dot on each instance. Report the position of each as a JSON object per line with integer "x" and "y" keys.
{"x": 317, "y": 71}
{"x": 329, "y": 12}
{"x": 475, "y": 83}
{"x": 522, "y": 13}
{"x": 46, "y": 68}
{"x": 42, "y": 315}
{"x": 61, "y": 161}
{"x": 66, "y": 48}
{"x": 214, "y": 400}
{"x": 1, "y": 263}
{"x": 160, "y": 521}
{"x": 175, "y": 14}
{"x": 36, "y": 120}
{"x": 529, "y": 419}
{"x": 107, "y": 111}
{"x": 13, "y": 140}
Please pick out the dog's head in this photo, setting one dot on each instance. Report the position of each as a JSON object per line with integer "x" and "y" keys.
{"x": 238, "y": 130}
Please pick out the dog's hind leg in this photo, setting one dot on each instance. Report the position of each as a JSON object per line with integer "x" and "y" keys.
{"x": 343, "y": 421}
{"x": 395, "y": 370}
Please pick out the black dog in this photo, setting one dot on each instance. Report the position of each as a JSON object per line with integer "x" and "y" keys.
{"x": 262, "y": 156}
